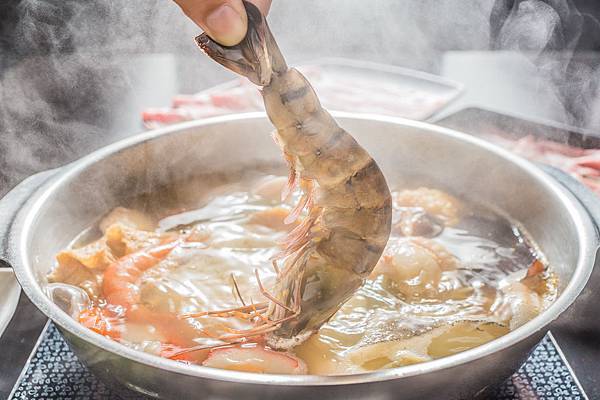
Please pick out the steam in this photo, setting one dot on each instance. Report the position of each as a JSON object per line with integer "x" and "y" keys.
{"x": 550, "y": 34}
{"x": 65, "y": 77}
{"x": 75, "y": 75}
{"x": 530, "y": 27}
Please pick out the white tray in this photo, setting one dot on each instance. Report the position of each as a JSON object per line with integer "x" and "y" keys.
{"x": 9, "y": 297}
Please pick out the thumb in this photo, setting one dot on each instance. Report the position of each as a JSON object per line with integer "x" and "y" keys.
{"x": 225, "y": 21}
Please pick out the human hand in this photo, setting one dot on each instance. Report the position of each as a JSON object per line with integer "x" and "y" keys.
{"x": 225, "y": 21}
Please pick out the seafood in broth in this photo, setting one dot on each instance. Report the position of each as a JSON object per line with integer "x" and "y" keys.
{"x": 328, "y": 256}
{"x": 323, "y": 272}
{"x": 462, "y": 277}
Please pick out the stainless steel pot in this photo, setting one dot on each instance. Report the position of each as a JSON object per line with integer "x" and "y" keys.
{"x": 46, "y": 211}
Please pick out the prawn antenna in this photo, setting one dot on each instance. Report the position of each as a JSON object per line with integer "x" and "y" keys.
{"x": 237, "y": 289}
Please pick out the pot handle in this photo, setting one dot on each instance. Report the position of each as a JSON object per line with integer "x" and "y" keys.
{"x": 578, "y": 327}
{"x": 589, "y": 200}
{"x": 11, "y": 204}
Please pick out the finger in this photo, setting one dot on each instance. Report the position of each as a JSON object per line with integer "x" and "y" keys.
{"x": 225, "y": 21}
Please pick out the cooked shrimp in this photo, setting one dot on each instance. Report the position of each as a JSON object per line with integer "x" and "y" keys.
{"x": 518, "y": 305}
{"x": 347, "y": 201}
{"x": 434, "y": 202}
{"x": 521, "y": 301}
{"x": 121, "y": 290}
{"x": 414, "y": 221}
{"x": 101, "y": 321}
{"x": 121, "y": 279}
{"x": 255, "y": 358}
{"x": 415, "y": 265}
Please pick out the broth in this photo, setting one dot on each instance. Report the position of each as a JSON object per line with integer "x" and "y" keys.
{"x": 455, "y": 274}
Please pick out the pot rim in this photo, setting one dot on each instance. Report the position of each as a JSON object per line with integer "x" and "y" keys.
{"x": 27, "y": 216}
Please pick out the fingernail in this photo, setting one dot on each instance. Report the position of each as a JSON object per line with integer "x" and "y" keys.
{"x": 226, "y": 25}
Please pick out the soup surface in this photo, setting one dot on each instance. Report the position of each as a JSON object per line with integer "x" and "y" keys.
{"x": 454, "y": 275}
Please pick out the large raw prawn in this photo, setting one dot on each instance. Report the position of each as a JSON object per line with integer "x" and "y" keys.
{"x": 328, "y": 256}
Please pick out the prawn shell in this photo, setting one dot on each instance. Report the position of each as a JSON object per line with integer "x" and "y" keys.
{"x": 360, "y": 190}
{"x": 359, "y": 255}
{"x": 364, "y": 222}
{"x": 290, "y": 91}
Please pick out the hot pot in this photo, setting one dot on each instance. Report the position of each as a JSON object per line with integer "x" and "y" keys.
{"x": 42, "y": 215}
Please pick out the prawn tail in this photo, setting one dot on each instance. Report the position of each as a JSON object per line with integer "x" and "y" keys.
{"x": 257, "y": 56}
